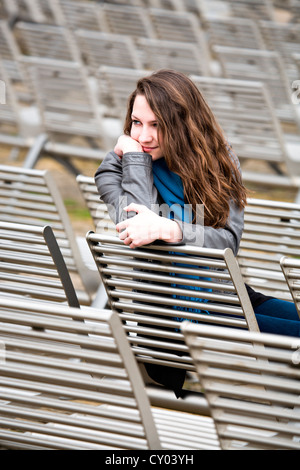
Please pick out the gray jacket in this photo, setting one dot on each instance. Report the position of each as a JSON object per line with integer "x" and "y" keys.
{"x": 121, "y": 181}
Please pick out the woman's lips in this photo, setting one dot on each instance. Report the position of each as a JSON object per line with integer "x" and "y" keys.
{"x": 148, "y": 149}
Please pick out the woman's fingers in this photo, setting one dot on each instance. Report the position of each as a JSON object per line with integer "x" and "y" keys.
{"x": 126, "y": 144}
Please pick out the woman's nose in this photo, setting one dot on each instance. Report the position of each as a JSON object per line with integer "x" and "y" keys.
{"x": 145, "y": 135}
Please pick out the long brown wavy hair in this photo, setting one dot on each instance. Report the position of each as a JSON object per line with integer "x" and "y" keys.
{"x": 193, "y": 144}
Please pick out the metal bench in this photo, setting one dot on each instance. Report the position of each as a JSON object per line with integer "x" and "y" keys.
{"x": 150, "y": 289}
{"x": 284, "y": 38}
{"x": 46, "y": 41}
{"x": 271, "y": 230}
{"x": 232, "y": 32}
{"x": 32, "y": 266}
{"x": 49, "y": 127}
{"x": 114, "y": 85}
{"x": 98, "y": 48}
{"x": 126, "y": 19}
{"x": 69, "y": 110}
{"x": 97, "y": 208}
{"x": 181, "y": 26}
{"x": 178, "y": 55}
{"x": 255, "y": 135}
{"x": 76, "y": 15}
{"x": 251, "y": 382}
{"x": 9, "y": 53}
{"x": 17, "y": 128}
{"x": 75, "y": 385}
{"x": 32, "y": 10}
{"x": 254, "y": 9}
{"x": 291, "y": 270}
{"x": 31, "y": 197}
{"x": 262, "y": 65}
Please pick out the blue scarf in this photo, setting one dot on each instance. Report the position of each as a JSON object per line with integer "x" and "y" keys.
{"x": 170, "y": 188}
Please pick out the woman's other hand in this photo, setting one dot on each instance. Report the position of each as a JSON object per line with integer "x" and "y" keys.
{"x": 146, "y": 227}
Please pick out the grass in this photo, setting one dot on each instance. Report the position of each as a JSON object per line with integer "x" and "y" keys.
{"x": 75, "y": 211}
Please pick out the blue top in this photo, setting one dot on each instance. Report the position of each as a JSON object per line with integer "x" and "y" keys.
{"x": 170, "y": 187}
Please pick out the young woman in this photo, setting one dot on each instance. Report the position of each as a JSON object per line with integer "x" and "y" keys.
{"x": 174, "y": 152}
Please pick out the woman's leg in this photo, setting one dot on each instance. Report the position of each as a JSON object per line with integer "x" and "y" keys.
{"x": 279, "y": 317}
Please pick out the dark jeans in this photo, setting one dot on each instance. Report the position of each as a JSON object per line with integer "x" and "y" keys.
{"x": 279, "y": 317}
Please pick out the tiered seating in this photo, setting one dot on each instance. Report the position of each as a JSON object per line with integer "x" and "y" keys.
{"x": 76, "y": 15}
{"x": 98, "y": 48}
{"x": 285, "y": 39}
{"x": 146, "y": 35}
{"x": 10, "y": 52}
{"x": 183, "y": 56}
{"x": 127, "y": 20}
{"x": 29, "y": 9}
{"x": 256, "y": 9}
{"x": 179, "y": 26}
{"x": 8, "y": 113}
{"x": 255, "y": 134}
{"x": 295, "y": 10}
{"x": 261, "y": 65}
{"x": 67, "y": 107}
{"x": 115, "y": 84}
{"x": 233, "y": 32}
{"x": 46, "y": 41}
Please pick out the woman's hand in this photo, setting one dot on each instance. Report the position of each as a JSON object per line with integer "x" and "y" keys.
{"x": 126, "y": 144}
{"x": 146, "y": 227}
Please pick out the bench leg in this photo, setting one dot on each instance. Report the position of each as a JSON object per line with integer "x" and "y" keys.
{"x": 35, "y": 151}
{"x": 100, "y": 300}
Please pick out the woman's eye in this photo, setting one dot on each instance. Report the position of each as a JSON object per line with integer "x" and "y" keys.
{"x": 135, "y": 122}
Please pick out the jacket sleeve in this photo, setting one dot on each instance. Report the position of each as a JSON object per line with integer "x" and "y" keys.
{"x": 121, "y": 181}
{"x": 220, "y": 238}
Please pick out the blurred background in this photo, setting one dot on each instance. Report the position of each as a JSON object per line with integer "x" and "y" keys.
{"x": 67, "y": 68}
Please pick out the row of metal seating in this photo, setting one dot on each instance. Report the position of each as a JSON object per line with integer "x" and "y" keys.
{"x": 31, "y": 197}
{"x": 41, "y": 10}
{"x": 255, "y": 135}
{"x": 269, "y": 247}
{"x": 60, "y": 41}
{"x": 95, "y": 102}
{"x": 70, "y": 380}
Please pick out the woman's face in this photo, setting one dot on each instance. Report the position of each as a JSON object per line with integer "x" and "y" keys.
{"x": 144, "y": 127}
